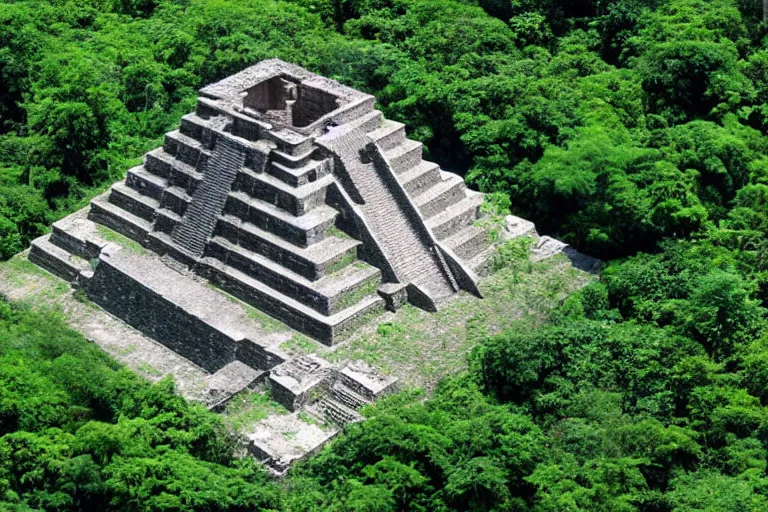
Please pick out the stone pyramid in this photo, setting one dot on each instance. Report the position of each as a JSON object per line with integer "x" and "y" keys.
{"x": 290, "y": 192}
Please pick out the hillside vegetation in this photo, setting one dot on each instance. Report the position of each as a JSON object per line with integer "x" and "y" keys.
{"x": 633, "y": 129}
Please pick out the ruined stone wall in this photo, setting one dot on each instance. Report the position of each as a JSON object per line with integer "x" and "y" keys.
{"x": 312, "y": 105}
{"x": 159, "y": 318}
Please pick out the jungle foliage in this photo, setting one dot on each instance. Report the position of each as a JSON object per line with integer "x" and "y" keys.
{"x": 633, "y": 129}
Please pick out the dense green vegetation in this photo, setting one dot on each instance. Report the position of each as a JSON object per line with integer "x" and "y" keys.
{"x": 633, "y": 129}
{"x": 78, "y": 432}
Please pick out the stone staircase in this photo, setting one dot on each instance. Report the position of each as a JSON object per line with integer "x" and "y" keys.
{"x": 400, "y": 237}
{"x": 347, "y": 397}
{"x": 336, "y": 412}
{"x": 332, "y": 395}
{"x": 447, "y": 206}
{"x": 340, "y": 405}
{"x": 201, "y": 216}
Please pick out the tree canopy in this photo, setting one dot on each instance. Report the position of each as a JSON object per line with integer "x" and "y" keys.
{"x": 634, "y": 130}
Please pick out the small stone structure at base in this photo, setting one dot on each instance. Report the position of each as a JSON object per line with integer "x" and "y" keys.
{"x": 291, "y": 193}
{"x": 330, "y": 398}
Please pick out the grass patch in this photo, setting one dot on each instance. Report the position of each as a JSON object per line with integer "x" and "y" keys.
{"x": 300, "y": 345}
{"x": 422, "y": 348}
{"x": 80, "y": 296}
{"x": 268, "y": 323}
{"x": 334, "y": 231}
{"x": 124, "y": 350}
{"x": 249, "y": 407}
{"x": 111, "y": 235}
{"x": 18, "y": 269}
{"x": 349, "y": 299}
{"x": 79, "y": 261}
{"x": 148, "y": 369}
{"x": 495, "y": 208}
{"x": 342, "y": 262}
{"x": 514, "y": 254}
{"x": 311, "y": 420}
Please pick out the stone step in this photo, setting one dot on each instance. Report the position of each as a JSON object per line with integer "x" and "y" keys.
{"x": 292, "y": 161}
{"x": 122, "y": 221}
{"x": 367, "y": 382}
{"x": 295, "y": 200}
{"x": 328, "y": 295}
{"x": 368, "y": 122}
{"x": 78, "y": 236}
{"x": 338, "y": 413}
{"x": 481, "y": 263}
{"x": 291, "y": 143}
{"x": 194, "y": 126}
{"x": 299, "y": 381}
{"x": 456, "y": 217}
{"x": 175, "y": 172}
{"x": 186, "y": 149}
{"x": 134, "y": 202}
{"x": 468, "y": 243}
{"x": 438, "y": 286}
{"x": 356, "y": 111}
{"x": 441, "y": 196}
{"x": 242, "y": 125}
{"x": 175, "y": 199}
{"x": 227, "y": 382}
{"x": 301, "y": 367}
{"x": 181, "y": 312}
{"x": 56, "y": 260}
{"x": 296, "y": 177}
{"x": 140, "y": 179}
{"x": 303, "y": 230}
{"x": 348, "y": 397}
{"x": 404, "y": 156}
{"x": 418, "y": 179}
{"x": 313, "y": 262}
{"x": 326, "y": 329}
{"x": 210, "y": 131}
{"x": 388, "y": 135}
{"x": 165, "y": 221}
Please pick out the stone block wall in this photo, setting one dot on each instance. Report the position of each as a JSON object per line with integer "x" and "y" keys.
{"x": 159, "y": 318}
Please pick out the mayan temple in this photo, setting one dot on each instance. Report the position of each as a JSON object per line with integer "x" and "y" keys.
{"x": 292, "y": 193}
{"x": 288, "y": 191}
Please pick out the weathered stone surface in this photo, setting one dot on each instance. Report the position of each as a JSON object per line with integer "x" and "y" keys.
{"x": 516, "y": 227}
{"x": 394, "y": 294}
{"x": 366, "y": 381}
{"x": 180, "y": 313}
{"x": 547, "y": 247}
{"x": 228, "y": 381}
{"x": 282, "y": 440}
{"x": 293, "y": 382}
